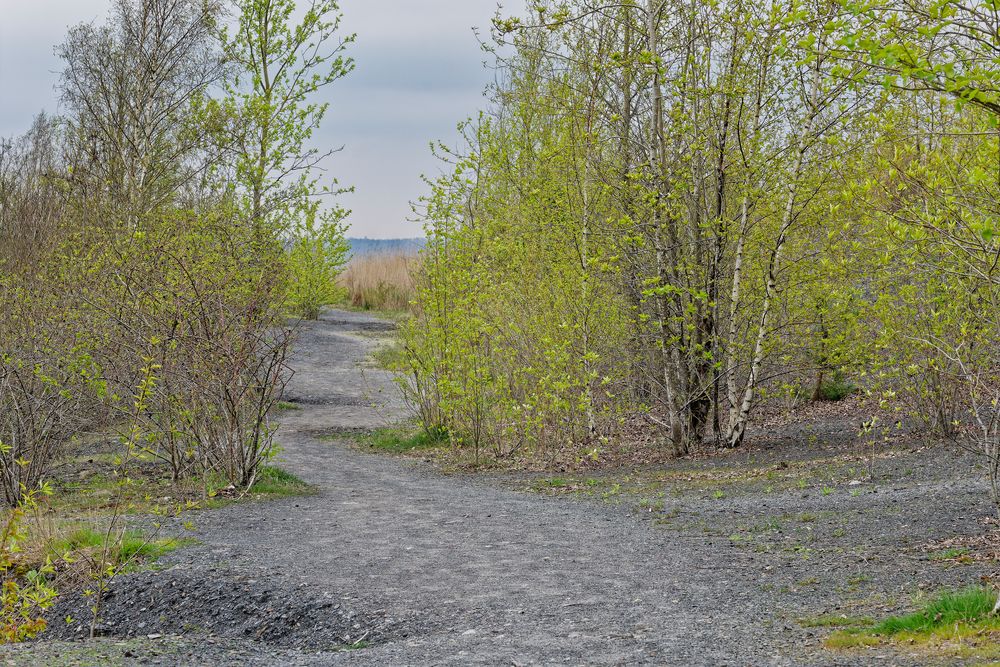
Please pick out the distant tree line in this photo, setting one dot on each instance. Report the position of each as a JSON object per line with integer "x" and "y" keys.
{"x": 366, "y": 246}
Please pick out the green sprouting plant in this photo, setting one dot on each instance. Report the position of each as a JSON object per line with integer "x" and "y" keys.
{"x": 613, "y": 491}
{"x": 836, "y": 388}
{"x": 24, "y": 596}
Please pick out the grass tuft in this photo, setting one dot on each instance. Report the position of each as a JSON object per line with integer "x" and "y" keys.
{"x": 958, "y": 623}
{"x": 389, "y": 357}
{"x": 958, "y": 555}
{"x": 970, "y": 605}
{"x": 134, "y": 548}
{"x": 273, "y": 481}
{"x": 401, "y": 440}
{"x": 356, "y": 646}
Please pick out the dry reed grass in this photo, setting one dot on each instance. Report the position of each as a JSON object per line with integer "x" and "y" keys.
{"x": 381, "y": 281}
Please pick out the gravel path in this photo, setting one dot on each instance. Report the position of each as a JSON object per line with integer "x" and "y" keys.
{"x": 427, "y": 569}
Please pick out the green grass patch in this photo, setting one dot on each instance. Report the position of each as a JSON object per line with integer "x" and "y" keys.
{"x": 145, "y": 494}
{"x": 390, "y": 356}
{"x": 134, "y": 548}
{"x": 141, "y": 495}
{"x": 356, "y": 646}
{"x": 554, "y": 483}
{"x": 958, "y": 623}
{"x": 971, "y": 605}
{"x": 284, "y": 406}
{"x": 848, "y": 639}
{"x": 275, "y": 482}
{"x": 401, "y": 440}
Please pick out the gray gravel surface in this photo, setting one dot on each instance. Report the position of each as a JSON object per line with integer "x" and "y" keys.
{"x": 423, "y": 568}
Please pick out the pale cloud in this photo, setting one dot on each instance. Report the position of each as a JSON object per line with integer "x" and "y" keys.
{"x": 419, "y": 72}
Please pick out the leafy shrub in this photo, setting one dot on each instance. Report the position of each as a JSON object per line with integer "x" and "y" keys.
{"x": 836, "y": 388}
{"x": 24, "y": 596}
{"x": 48, "y": 386}
{"x": 316, "y": 257}
{"x": 212, "y": 319}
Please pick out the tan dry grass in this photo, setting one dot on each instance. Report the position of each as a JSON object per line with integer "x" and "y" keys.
{"x": 381, "y": 281}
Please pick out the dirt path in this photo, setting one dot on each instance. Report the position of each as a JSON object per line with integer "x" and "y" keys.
{"x": 474, "y": 574}
{"x": 422, "y": 568}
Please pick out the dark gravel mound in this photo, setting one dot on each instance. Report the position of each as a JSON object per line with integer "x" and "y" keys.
{"x": 181, "y": 601}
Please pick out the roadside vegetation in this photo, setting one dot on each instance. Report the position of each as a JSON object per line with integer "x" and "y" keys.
{"x": 158, "y": 242}
{"x": 675, "y": 220}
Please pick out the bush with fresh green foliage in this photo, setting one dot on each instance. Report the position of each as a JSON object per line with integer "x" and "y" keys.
{"x": 24, "y": 595}
{"x": 317, "y": 255}
{"x": 641, "y": 226}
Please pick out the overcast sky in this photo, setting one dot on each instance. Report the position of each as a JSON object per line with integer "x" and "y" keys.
{"x": 419, "y": 72}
